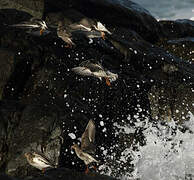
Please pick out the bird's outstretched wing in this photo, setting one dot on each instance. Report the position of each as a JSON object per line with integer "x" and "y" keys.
{"x": 82, "y": 71}
{"x": 25, "y": 25}
{"x": 101, "y": 27}
{"x": 88, "y": 138}
{"x": 92, "y": 65}
{"x": 79, "y": 27}
{"x": 41, "y": 158}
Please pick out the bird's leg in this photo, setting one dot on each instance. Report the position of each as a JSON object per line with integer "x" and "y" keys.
{"x": 94, "y": 167}
{"x": 41, "y": 31}
{"x": 87, "y": 170}
{"x": 103, "y": 35}
{"x": 107, "y": 81}
{"x": 43, "y": 170}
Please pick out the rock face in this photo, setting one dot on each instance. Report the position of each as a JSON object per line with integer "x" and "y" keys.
{"x": 169, "y": 102}
{"x": 35, "y": 8}
{"x": 65, "y": 173}
{"x": 179, "y": 38}
{"x": 45, "y": 106}
{"x": 36, "y": 130}
{"x": 178, "y": 29}
{"x": 7, "y": 66}
{"x": 181, "y": 47}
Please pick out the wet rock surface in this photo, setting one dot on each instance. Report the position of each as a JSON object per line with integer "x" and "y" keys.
{"x": 181, "y": 47}
{"x": 45, "y": 106}
{"x": 62, "y": 173}
{"x": 177, "y": 29}
{"x": 7, "y": 66}
{"x": 171, "y": 102}
{"x": 35, "y": 8}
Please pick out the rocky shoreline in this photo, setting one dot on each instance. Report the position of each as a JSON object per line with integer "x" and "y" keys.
{"x": 41, "y": 100}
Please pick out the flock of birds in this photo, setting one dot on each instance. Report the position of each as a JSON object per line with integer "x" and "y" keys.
{"x": 90, "y": 29}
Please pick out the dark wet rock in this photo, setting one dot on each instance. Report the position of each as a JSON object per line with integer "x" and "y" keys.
{"x": 171, "y": 103}
{"x": 177, "y": 29}
{"x": 35, "y": 8}
{"x": 12, "y": 16}
{"x": 69, "y": 174}
{"x": 181, "y": 47}
{"x": 3, "y": 153}
{"x": 6, "y": 177}
{"x": 6, "y": 68}
{"x": 169, "y": 68}
{"x": 59, "y": 173}
{"x": 150, "y": 59}
{"x": 27, "y": 58}
{"x": 9, "y": 113}
{"x": 57, "y": 6}
{"x": 38, "y": 129}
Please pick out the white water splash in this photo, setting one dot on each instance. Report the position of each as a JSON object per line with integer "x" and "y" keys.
{"x": 167, "y": 155}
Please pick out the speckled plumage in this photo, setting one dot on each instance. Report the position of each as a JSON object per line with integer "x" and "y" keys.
{"x": 39, "y": 160}
{"x": 88, "y": 148}
{"x": 65, "y": 33}
{"x": 89, "y": 68}
{"x": 84, "y": 27}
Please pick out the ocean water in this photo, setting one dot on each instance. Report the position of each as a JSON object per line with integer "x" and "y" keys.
{"x": 169, "y": 9}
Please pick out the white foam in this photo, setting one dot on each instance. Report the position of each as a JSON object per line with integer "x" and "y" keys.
{"x": 72, "y": 135}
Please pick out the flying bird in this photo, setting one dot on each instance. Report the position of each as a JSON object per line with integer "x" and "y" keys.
{"x": 90, "y": 68}
{"x": 65, "y": 33}
{"x": 33, "y": 23}
{"x": 84, "y": 27}
{"x": 88, "y": 148}
{"x": 101, "y": 28}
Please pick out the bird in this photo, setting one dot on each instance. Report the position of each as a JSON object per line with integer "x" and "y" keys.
{"x": 102, "y": 29}
{"x": 90, "y": 68}
{"x": 39, "y": 160}
{"x": 80, "y": 29}
{"x": 78, "y": 20}
{"x": 88, "y": 147}
{"x": 65, "y": 33}
{"x": 33, "y": 23}
{"x": 85, "y": 27}
{"x": 96, "y": 27}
